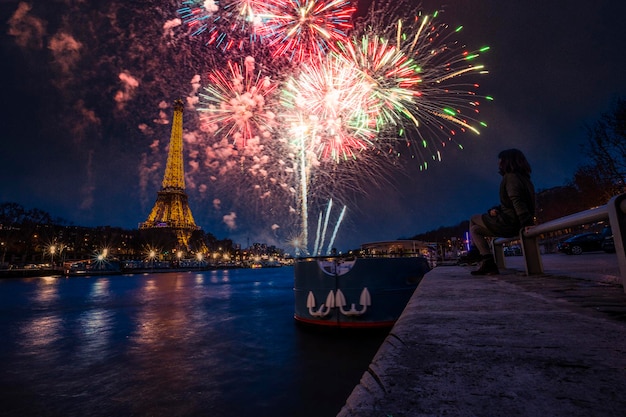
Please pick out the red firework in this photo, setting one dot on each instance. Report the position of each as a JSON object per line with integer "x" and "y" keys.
{"x": 302, "y": 28}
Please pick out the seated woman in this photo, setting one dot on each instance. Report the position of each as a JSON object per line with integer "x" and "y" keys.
{"x": 516, "y": 209}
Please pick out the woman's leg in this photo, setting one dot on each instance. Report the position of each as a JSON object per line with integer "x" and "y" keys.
{"x": 479, "y": 233}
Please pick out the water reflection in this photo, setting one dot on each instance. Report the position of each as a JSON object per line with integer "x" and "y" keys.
{"x": 40, "y": 332}
{"x": 47, "y": 289}
{"x": 96, "y": 328}
{"x": 173, "y": 347}
{"x": 218, "y": 343}
{"x": 99, "y": 289}
{"x": 43, "y": 329}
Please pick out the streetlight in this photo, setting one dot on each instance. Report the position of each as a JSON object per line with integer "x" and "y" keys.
{"x": 199, "y": 257}
{"x": 53, "y": 250}
{"x": 101, "y": 259}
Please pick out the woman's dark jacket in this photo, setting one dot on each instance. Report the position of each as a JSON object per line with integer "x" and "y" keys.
{"x": 517, "y": 206}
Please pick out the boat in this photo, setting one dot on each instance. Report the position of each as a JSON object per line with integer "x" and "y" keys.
{"x": 366, "y": 290}
{"x": 90, "y": 267}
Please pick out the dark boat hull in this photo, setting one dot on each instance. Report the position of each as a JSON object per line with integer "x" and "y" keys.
{"x": 357, "y": 293}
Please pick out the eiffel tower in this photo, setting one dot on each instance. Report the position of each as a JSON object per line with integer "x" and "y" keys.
{"x": 171, "y": 212}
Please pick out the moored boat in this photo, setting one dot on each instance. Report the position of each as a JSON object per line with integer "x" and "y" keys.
{"x": 368, "y": 290}
{"x": 90, "y": 267}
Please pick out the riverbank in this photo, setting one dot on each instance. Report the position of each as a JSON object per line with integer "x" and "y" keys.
{"x": 47, "y": 272}
{"x": 504, "y": 345}
{"x": 29, "y": 272}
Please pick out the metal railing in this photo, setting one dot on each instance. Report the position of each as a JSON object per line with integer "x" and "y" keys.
{"x": 614, "y": 211}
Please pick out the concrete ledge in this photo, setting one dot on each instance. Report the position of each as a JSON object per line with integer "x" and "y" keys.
{"x": 484, "y": 346}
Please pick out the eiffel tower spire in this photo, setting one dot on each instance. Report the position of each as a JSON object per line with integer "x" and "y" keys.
{"x": 174, "y": 177}
{"x": 171, "y": 210}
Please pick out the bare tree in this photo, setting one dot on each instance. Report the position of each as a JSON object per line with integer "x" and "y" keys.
{"x": 594, "y": 187}
{"x": 606, "y": 147}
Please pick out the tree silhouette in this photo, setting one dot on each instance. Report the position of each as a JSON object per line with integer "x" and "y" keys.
{"x": 606, "y": 147}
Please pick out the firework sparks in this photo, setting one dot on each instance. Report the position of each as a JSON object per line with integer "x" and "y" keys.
{"x": 328, "y": 99}
{"x": 304, "y": 28}
{"x": 234, "y": 103}
{"x": 442, "y": 96}
{"x": 391, "y": 74}
{"x": 351, "y": 106}
{"x": 415, "y": 84}
{"x": 227, "y": 24}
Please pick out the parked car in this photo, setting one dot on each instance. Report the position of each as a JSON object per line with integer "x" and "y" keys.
{"x": 512, "y": 251}
{"x": 584, "y": 242}
{"x": 608, "y": 244}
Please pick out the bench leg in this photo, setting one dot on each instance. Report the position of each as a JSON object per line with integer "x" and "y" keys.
{"x": 498, "y": 255}
{"x": 532, "y": 257}
{"x": 617, "y": 219}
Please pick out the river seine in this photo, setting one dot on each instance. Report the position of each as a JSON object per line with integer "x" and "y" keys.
{"x": 204, "y": 343}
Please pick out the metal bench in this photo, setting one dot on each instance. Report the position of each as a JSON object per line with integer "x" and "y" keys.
{"x": 614, "y": 211}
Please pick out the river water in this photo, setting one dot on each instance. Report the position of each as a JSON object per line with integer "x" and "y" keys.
{"x": 205, "y": 343}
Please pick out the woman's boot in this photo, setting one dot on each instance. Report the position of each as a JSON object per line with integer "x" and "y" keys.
{"x": 487, "y": 266}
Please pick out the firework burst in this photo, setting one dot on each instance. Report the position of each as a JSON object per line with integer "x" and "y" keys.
{"x": 441, "y": 66}
{"x": 417, "y": 84}
{"x": 304, "y": 28}
{"x": 446, "y": 103}
{"x": 326, "y": 104}
{"x": 234, "y": 103}
{"x": 227, "y": 24}
{"x": 355, "y": 100}
{"x": 392, "y": 77}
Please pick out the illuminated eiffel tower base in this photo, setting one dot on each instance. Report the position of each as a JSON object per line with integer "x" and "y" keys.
{"x": 171, "y": 214}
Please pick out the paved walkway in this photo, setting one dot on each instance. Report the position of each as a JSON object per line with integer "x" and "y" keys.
{"x": 505, "y": 345}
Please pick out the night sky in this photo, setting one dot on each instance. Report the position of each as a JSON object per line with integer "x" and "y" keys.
{"x": 88, "y": 86}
